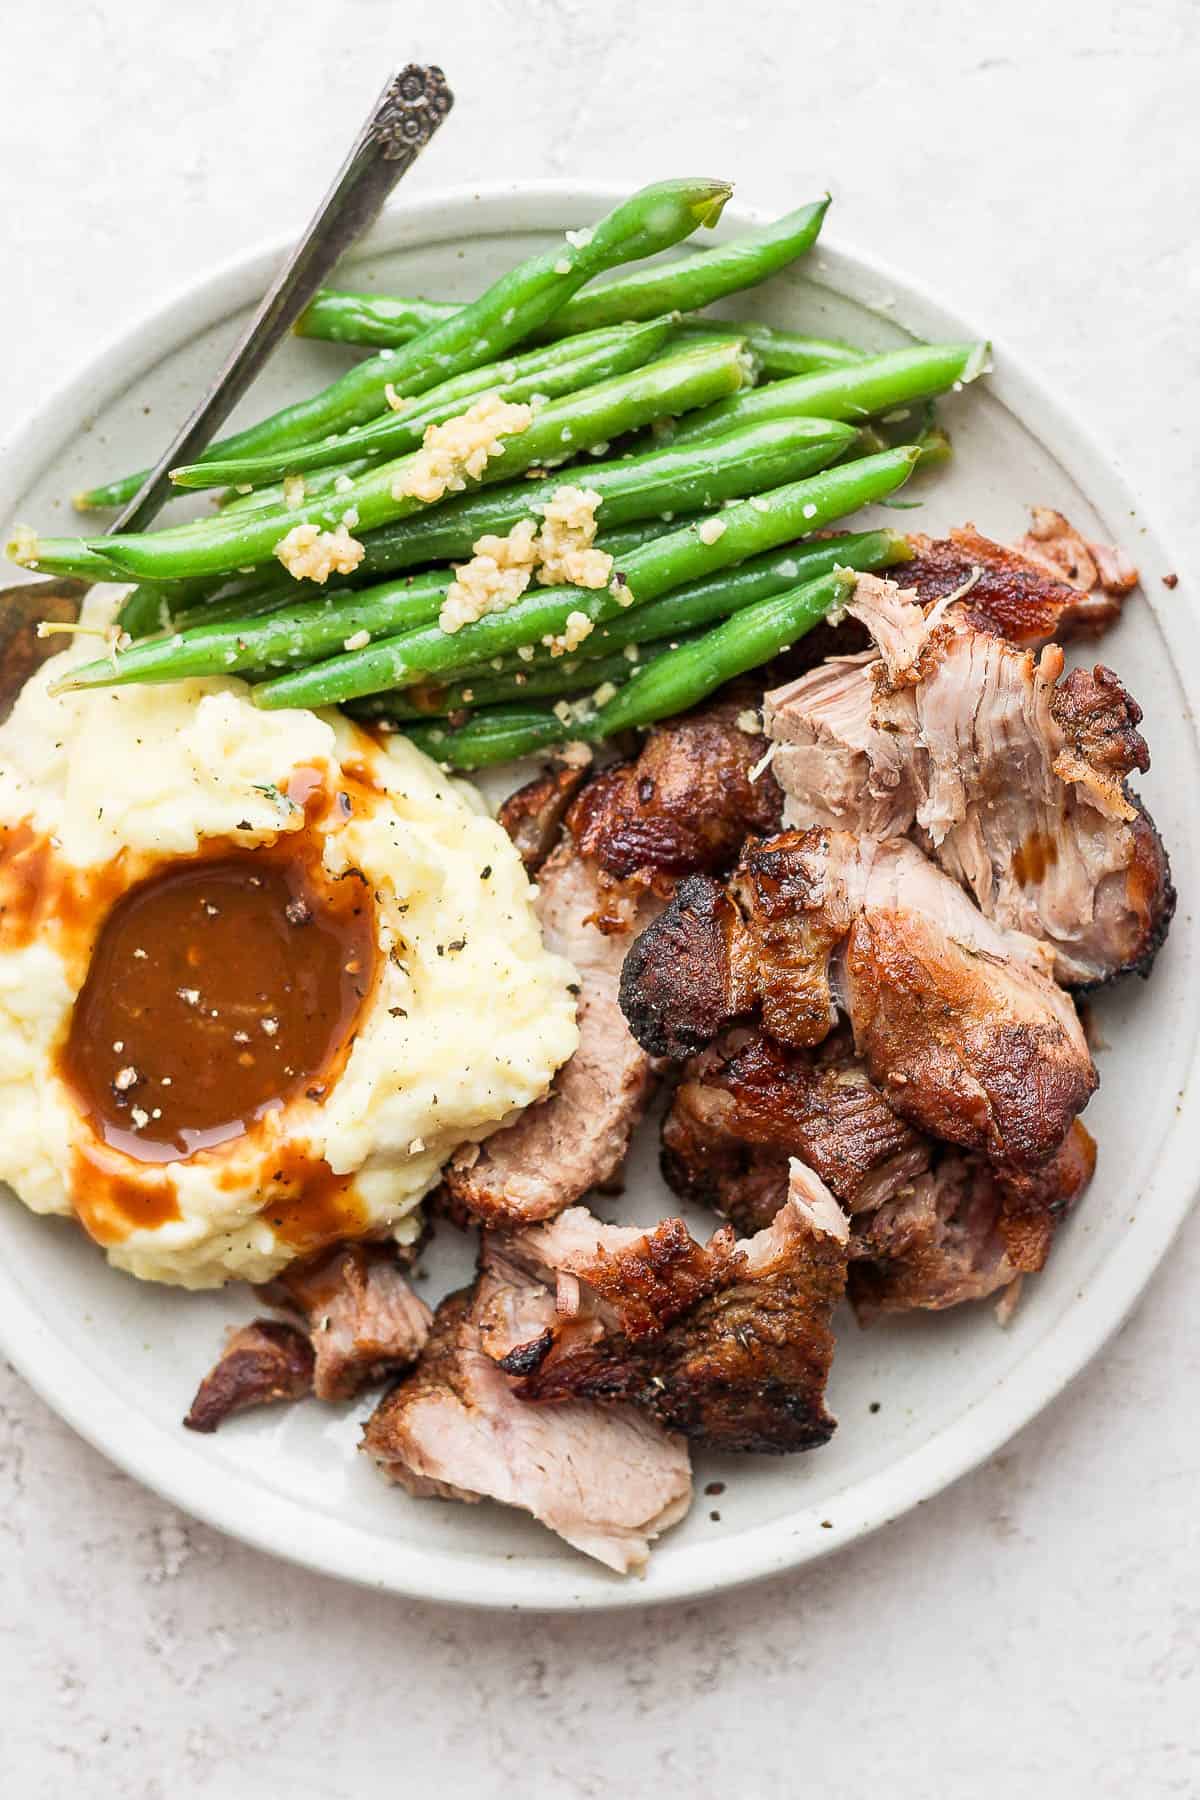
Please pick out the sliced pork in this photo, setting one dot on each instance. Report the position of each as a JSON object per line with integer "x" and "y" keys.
{"x": 1013, "y": 777}
{"x": 728, "y": 1342}
{"x": 363, "y": 1319}
{"x": 261, "y": 1363}
{"x": 963, "y": 1230}
{"x": 576, "y": 1138}
{"x": 746, "y": 1105}
{"x": 357, "y": 1321}
{"x": 607, "y": 1479}
{"x": 685, "y": 803}
{"x": 957, "y": 1021}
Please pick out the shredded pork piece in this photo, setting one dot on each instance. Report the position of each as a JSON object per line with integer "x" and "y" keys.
{"x": 310, "y": 554}
{"x": 460, "y": 448}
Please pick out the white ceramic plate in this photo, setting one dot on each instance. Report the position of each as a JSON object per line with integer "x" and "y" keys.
{"x": 119, "y": 1360}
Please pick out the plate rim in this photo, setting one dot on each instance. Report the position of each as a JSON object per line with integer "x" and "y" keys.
{"x": 231, "y": 1501}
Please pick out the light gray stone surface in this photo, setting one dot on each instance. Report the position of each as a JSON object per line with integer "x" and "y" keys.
{"x": 1036, "y": 1630}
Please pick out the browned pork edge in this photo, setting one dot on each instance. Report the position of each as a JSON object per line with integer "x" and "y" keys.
{"x": 746, "y": 1105}
{"x": 262, "y": 1362}
{"x": 964, "y": 1231}
{"x": 729, "y": 1342}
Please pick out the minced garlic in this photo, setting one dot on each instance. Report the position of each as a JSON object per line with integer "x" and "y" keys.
{"x": 497, "y": 574}
{"x": 293, "y": 491}
{"x": 310, "y": 554}
{"x": 567, "y": 552}
{"x": 709, "y": 530}
{"x": 396, "y": 401}
{"x": 562, "y": 553}
{"x": 604, "y": 693}
{"x": 578, "y": 626}
{"x": 461, "y": 447}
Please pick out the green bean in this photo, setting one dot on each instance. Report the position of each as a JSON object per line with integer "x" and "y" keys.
{"x": 880, "y": 384}
{"x": 560, "y": 369}
{"x": 697, "y": 280}
{"x": 277, "y": 640}
{"x": 779, "y": 352}
{"x": 382, "y": 320}
{"x": 677, "y": 383}
{"x": 687, "y": 609}
{"x": 746, "y": 528}
{"x": 685, "y": 676}
{"x": 514, "y": 306}
{"x": 565, "y": 675}
{"x": 270, "y": 495}
{"x": 499, "y": 735}
{"x": 62, "y": 556}
{"x": 670, "y": 287}
{"x": 717, "y": 596}
{"x": 251, "y": 599}
{"x": 153, "y": 605}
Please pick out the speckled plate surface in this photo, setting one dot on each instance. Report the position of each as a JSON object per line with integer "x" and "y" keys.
{"x": 919, "y": 1401}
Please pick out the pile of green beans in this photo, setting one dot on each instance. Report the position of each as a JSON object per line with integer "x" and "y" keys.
{"x": 514, "y": 306}
{"x": 714, "y": 452}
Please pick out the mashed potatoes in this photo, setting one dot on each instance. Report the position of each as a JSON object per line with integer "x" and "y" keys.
{"x": 465, "y": 1015}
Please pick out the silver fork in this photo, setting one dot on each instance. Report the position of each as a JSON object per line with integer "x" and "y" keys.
{"x": 413, "y": 104}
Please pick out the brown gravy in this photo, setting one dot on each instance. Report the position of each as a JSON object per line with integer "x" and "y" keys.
{"x": 218, "y": 989}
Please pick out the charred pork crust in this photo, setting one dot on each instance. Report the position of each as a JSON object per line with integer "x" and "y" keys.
{"x": 261, "y": 1363}
{"x": 1024, "y": 594}
{"x": 956, "y": 1020}
{"x": 533, "y": 816}
{"x": 683, "y": 807}
{"x": 746, "y": 1105}
{"x": 676, "y": 982}
{"x": 963, "y": 1231}
{"x": 729, "y": 1343}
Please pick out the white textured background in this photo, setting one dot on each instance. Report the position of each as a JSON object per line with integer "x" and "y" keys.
{"x": 1035, "y": 1631}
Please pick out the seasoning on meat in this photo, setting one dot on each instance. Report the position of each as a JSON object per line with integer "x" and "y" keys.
{"x": 746, "y": 1105}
